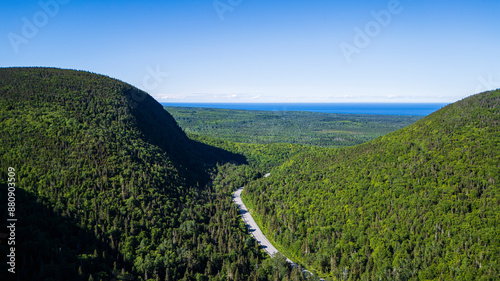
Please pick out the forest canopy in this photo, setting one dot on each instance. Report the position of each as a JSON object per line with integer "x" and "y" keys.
{"x": 419, "y": 203}
{"x": 109, "y": 187}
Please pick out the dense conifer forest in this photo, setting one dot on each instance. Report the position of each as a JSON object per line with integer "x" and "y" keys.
{"x": 108, "y": 187}
{"x": 421, "y": 203}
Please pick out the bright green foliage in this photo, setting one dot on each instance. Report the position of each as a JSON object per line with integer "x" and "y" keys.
{"x": 109, "y": 187}
{"x": 308, "y": 128}
{"x": 260, "y": 157}
{"x": 422, "y": 203}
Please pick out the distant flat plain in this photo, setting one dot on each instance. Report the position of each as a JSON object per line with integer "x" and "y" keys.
{"x": 301, "y": 127}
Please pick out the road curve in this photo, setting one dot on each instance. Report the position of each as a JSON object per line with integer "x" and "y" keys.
{"x": 252, "y": 225}
{"x": 254, "y": 229}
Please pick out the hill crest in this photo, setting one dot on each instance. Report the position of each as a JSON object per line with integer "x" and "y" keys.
{"x": 418, "y": 203}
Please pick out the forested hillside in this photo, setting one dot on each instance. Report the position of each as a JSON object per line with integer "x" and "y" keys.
{"x": 422, "y": 203}
{"x": 108, "y": 187}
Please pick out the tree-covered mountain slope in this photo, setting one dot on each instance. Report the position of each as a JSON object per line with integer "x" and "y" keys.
{"x": 421, "y": 203}
{"x": 108, "y": 187}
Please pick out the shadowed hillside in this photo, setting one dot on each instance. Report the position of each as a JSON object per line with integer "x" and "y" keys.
{"x": 108, "y": 186}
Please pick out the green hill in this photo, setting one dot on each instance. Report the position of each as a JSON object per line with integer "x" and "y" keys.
{"x": 109, "y": 187}
{"x": 421, "y": 203}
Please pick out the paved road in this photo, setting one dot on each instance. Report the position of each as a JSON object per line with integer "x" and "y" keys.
{"x": 255, "y": 230}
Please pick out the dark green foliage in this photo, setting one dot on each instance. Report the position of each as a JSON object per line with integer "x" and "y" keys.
{"x": 308, "y": 128}
{"x": 108, "y": 186}
{"x": 421, "y": 203}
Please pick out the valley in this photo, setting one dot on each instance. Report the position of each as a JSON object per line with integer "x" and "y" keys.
{"x": 111, "y": 187}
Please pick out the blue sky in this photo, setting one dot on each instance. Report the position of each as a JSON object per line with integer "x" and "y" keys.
{"x": 266, "y": 51}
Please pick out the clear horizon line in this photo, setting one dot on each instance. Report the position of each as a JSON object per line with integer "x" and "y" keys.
{"x": 346, "y": 102}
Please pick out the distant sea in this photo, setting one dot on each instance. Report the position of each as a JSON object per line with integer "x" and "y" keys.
{"x": 421, "y": 109}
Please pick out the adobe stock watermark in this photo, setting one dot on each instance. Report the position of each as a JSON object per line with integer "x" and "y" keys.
{"x": 11, "y": 219}
{"x": 364, "y": 36}
{"x": 31, "y": 26}
{"x": 487, "y": 84}
{"x": 151, "y": 81}
{"x": 154, "y": 78}
{"x": 222, "y": 7}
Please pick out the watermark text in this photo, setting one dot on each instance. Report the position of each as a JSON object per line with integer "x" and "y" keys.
{"x": 364, "y": 36}
{"x": 11, "y": 219}
{"x": 32, "y": 25}
{"x": 222, "y": 7}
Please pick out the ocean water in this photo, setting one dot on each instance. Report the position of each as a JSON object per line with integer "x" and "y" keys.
{"x": 421, "y": 109}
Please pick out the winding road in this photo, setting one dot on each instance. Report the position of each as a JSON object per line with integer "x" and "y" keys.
{"x": 254, "y": 229}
